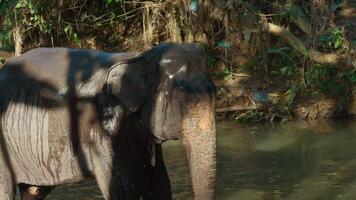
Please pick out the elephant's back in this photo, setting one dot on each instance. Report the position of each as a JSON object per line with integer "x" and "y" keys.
{"x": 58, "y": 66}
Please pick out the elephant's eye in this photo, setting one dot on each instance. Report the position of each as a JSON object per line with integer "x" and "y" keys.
{"x": 170, "y": 76}
{"x": 182, "y": 85}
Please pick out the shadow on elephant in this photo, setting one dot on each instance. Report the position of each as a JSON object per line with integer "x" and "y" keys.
{"x": 85, "y": 113}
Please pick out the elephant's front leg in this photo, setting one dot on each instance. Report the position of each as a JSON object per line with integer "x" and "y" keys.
{"x": 105, "y": 168}
{"x": 159, "y": 184}
{"x": 7, "y": 186}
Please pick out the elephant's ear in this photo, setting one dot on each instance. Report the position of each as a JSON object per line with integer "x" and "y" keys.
{"x": 128, "y": 82}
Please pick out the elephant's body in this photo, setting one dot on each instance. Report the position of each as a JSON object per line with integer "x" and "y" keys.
{"x": 70, "y": 114}
{"x": 40, "y": 91}
{"x": 38, "y": 139}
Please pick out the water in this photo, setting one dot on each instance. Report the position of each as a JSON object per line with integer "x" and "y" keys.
{"x": 294, "y": 161}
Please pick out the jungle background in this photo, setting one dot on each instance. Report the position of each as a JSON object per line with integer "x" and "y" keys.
{"x": 271, "y": 60}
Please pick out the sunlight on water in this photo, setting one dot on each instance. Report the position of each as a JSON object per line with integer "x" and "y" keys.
{"x": 295, "y": 161}
{"x": 275, "y": 142}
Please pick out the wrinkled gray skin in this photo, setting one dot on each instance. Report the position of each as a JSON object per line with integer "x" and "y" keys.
{"x": 70, "y": 114}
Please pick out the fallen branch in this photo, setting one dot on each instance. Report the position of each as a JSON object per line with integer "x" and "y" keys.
{"x": 293, "y": 41}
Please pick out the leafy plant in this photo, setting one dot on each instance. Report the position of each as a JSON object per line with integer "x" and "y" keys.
{"x": 336, "y": 4}
{"x": 333, "y": 39}
{"x": 290, "y": 8}
{"x": 111, "y": 2}
{"x": 224, "y": 44}
{"x": 223, "y": 74}
{"x": 285, "y": 63}
{"x": 353, "y": 42}
{"x": 73, "y": 36}
{"x": 210, "y": 61}
{"x": 325, "y": 80}
{"x": 32, "y": 14}
{"x": 6, "y": 41}
{"x": 292, "y": 93}
{"x": 252, "y": 64}
{"x": 352, "y": 76}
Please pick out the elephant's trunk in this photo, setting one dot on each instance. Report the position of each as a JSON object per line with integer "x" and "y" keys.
{"x": 199, "y": 139}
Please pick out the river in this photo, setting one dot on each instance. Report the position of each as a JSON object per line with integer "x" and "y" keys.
{"x": 294, "y": 161}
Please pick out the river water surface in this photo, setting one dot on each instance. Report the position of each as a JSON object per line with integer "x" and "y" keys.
{"x": 293, "y": 161}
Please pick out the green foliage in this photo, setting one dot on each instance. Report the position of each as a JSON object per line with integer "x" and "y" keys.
{"x": 333, "y": 39}
{"x": 252, "y": 64}
{"x": 336, "y": 4}
{"x": 108, "y": 2}
{"x": 2, "y": 60}
{"x": 72, "y": 36}
{"x": 353, "y": 42}
{"x": 6, "y": 41}
{"x": 352, "y": 76}
{"x": 223, "y": 74}
{"x": 66, "y": 23}
{"x": 292, "y": 93}
{"x": 32, "y": 13}
{"x": 111, "y": 2}
{"x": 285, "y": 62}
{"x": 211, "y": 61}
{"x": 224, "y": 44}
{"x": 291, "y": 11}
{"x": 326, "y": 81}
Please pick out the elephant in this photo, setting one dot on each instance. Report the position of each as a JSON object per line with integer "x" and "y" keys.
{"x": 71, "y": 114}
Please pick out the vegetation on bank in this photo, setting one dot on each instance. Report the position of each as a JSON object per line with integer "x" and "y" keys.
{"x": 271, "y": 60}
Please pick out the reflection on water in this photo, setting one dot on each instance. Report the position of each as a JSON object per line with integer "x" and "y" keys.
{"x": 294, "y": 161}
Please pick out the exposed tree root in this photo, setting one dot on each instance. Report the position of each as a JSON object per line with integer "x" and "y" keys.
{"x": 297, "y": 44}
{"x": 236, "y": 108}
{"x": 300, "y": 20}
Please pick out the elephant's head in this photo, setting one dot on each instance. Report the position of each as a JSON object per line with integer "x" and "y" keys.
{"x": 169, "y": 87}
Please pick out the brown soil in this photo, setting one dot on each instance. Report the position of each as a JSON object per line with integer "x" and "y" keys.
{"x": 6, "y": 55}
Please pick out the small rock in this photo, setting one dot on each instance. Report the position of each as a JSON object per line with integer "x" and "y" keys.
{"x": 259, "y": 96}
